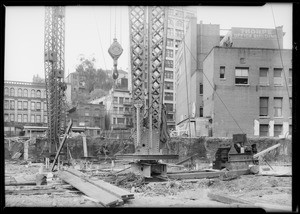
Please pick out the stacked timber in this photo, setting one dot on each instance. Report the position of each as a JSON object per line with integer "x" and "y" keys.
{"x": 100, "y": 191}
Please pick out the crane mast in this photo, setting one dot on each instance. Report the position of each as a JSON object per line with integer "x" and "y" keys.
{"x": 54, "y": 45}
{"x": 147, "y": 29}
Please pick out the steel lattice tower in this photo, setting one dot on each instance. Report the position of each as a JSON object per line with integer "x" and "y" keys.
{"x": 148, "y": 28}
{"x": 54, "y": 73}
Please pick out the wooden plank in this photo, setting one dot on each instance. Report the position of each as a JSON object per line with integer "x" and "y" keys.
{"x": 200, "y": 175}
{"x": 89, "y": 189}
{"x": 61, "y": 144}
{"x": 266, "y": 150}
{"x": 185, "y": 160}
{"x": 226, "y": 199}
{"x": 118, "y": 192}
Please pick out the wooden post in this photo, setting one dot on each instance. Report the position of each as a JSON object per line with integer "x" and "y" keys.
{"x": 26, "y": 149}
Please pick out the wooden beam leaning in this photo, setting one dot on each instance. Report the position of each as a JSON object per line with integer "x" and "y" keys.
{"x": 62, "y": 143}
{"x": 266, "y": 150}
{"x": 103, "y": 197}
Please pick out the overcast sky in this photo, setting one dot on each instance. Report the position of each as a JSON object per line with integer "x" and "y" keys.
{"x": 90, "y": 31}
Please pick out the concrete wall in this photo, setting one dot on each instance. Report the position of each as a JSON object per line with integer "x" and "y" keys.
{"x": 205, "y": 147}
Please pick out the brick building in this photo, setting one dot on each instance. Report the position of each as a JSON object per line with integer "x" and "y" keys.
{"x": 251, "y": 83}
{"x": 24, "y": 105}
{"x": 118, "y": 106}
{"x": 199, "y": 40}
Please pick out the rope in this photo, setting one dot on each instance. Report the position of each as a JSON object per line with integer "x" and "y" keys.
{"x": 286, "y": 84}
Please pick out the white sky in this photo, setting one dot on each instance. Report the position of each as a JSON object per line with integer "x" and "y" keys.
{"x": 24, "y": 33}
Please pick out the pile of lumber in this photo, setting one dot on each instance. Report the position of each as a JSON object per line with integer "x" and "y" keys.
{"x": 98, "y": 191}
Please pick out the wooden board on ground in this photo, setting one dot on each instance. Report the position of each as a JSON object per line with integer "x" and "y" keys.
{"x": 120, "y": 193}
{"x": 200, "y": 175}
{"x": 89, "y": 189}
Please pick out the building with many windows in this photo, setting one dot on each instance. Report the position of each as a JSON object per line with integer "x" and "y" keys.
{"x": 118, "y": 106}
{"x": 24, "y": 105}
{"x": 252, "y": 91}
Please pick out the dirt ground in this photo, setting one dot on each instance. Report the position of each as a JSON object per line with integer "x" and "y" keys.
{"x": 269, "y": 190}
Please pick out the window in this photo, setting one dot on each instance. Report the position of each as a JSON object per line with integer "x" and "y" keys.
{"x": 121, "y": 100}
{"x": 121, "y": 109}
{"x": 20, "y": 118}
{"x": 12, "y": 92}
{"x": 12, "y": 104}
{"x": 38, "y": 94}
{"x": 168, "y": 96}
{"x": 169, "y": 74}
{"x": 222, "y": 72}
{"x": 6, "y": 104}
{"x": 114, "y": 120}
{"x": 170, "y": 42}
{"x": 179, "y": 23}
{"x": 32, "y": 118}
{"x": 25, "y": 118}
{"x": 121, "y": 120}
{"x": 126, "y": 99}
{"x": 290, "y": 77}
{"x": 168, "y": 85}
{"x": 170, "y": 12}
{"x": 179, "y": 13}
{"x": 169, "y": 53}
{"x": 263, "y": 106}
{"x": 291, "y": 106}
{"x": 45, "y": 120}
{"x": 25, "y": 105}
{"x": 170, "y": 22}
{"x": 12, "y": 118}
{"x": 177, "y": 43}
{"x": 241, "y": 76}
{"x": 45, "y": 106}
{"x": 277, "y": 106}
{"x": 290, "y": 129}
{"x": 32, "y": 93}
{"x": 277, "y": 130}
{"x": 169, "y": 116}
{"x": 6, "y": 117}
{"x": 169, "y": 63}
{"x": 32, "y": 106}
{"x": 201, "y": 112}
{"x": 115, "y": 109}
{"x": 169, "y": 107}
{"x": 201, "y": 88}
{"x": 115, "y": 99}
{"x": 170, "y": 32}
{"x": 19, "y": 104}
{"x": 25, "y": 91}
{"x": 19, "y": 92}
{"x": 38, "y": 118}
{"x": 263, "y": 130}
{"x": 263, "y": 76}
{"x": 179, "y": 33}
{"x": 277, "y": 76}
{"x": 6, "y": 91}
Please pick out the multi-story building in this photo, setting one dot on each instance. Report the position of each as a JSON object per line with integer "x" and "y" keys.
{"x": 88, "y": 115}
{"x": 199, "y": 40}
{"x": 238, "y": 78}
{"x": 118, "y": 106}
{"x": 24, "y": 105}
{"x": 252, "y": 91}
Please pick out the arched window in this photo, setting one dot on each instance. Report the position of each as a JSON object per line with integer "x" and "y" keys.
{"x": 19, "y": 92}
{"x": 6, "y": 91}
{"x": 38, "y": 94}
{"x": 32, "y": 93}
{"x": 25, "y": 93}
{"x": 12, "y": 92}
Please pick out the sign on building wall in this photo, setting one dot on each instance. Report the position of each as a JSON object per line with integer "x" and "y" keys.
{"x": 253, "y": 33}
